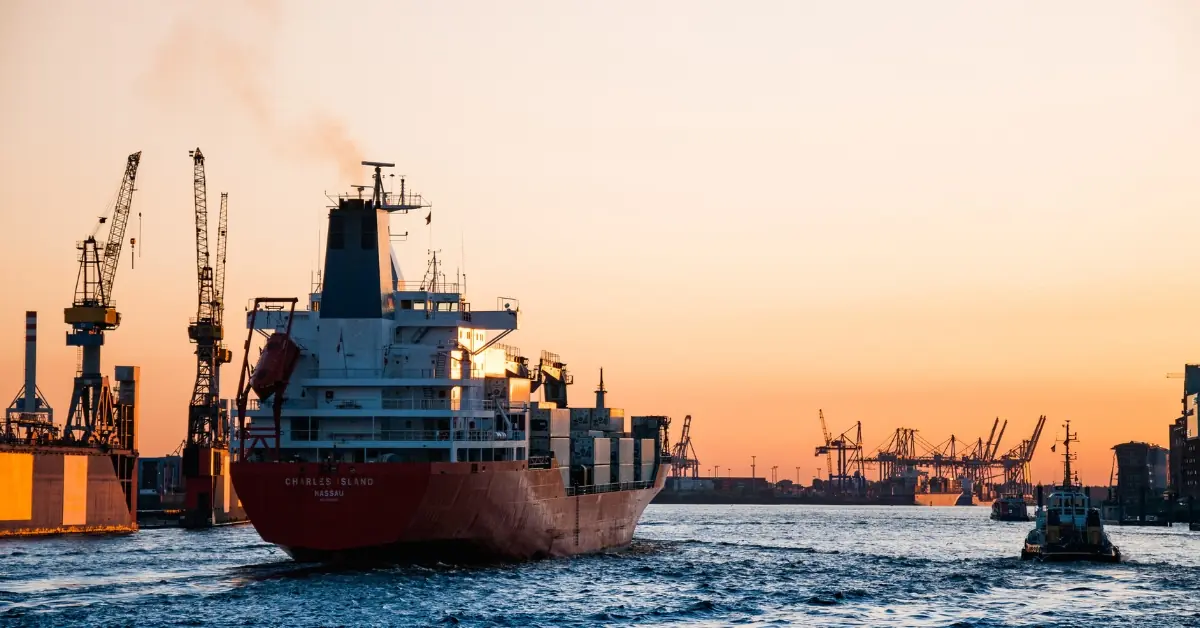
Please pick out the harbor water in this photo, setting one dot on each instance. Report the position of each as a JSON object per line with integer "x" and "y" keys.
{"x": 707, "y": 565}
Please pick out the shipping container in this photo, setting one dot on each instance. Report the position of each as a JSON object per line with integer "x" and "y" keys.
{"x": 643, "y": 451}
{"x": 625, "y": 474}
{"x": 602, "y": 475}
{"x": 625, "y": 446}
{"x": 645, "y": 472}
{"x": 581, "y": 419}
{"x": 561, "y": 448}
{"x": 560, "y": 422}
{"x": 539, "y": 422}
{"x": 591, "y": 450}
{"x": 610, "y": 425}
{"x": 645, "y": 426}
{"x": 539, "y": 443}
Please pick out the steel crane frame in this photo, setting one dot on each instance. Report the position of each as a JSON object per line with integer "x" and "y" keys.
{"x": 91, "y": 417}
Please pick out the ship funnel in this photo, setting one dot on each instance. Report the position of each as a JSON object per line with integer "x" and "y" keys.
{"x": 1039, "y": 495}
{"x": 30, "y": 362}
{"x": 29, "y": 409}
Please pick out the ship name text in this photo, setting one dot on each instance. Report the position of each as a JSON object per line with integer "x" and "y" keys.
{"x": 328, "y": 481}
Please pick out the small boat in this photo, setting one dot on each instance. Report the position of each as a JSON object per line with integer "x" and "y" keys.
{"x": 1066, "y": 527}
{"x": 1010, "y": 508}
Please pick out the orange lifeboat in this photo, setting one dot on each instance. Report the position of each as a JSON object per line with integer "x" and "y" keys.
{"x": 275, "y": 365}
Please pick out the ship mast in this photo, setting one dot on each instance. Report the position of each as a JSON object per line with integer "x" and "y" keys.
{"x": 1067, "y": 455}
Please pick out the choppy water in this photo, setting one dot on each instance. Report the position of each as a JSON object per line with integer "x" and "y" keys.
{"x": 694, "y": 565}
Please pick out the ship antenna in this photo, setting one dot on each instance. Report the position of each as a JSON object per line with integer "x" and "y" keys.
{"x": 600, "y": 391}
{"x": 377, "y": 196}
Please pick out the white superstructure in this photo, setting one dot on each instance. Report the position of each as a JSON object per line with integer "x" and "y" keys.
{"x": 394, "y": 370}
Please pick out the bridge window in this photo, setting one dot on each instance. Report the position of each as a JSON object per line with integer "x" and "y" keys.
{"x": 305, "y": 428}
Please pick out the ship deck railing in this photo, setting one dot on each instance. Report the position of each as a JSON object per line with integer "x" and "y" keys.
{"x": 416, "y": 436}
{"x": 442, "y": 287}
{"x": 607, "y": 488}
{"x": 396, "y": 404}
{"x": 349, "y": 373}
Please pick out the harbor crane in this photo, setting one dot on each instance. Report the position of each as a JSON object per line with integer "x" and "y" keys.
{"x": 828, "y": 442}
{"x": 207, "y": 444}
{"x": 1017, "y": 477}
{"x": 92, "y": 417}
{"x": 847, "y": 447}
{"x": 684, "y": 462}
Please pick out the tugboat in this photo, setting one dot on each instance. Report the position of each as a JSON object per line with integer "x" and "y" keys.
{"x": 1010, "y": 508}
{"x": 1067, "y": 528}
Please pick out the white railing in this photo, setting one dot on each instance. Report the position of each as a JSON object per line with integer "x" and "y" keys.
{"x": 347, "y": 373}
{"x": 444, "y": 436}
{"x": 255, "y": 405}
{"x": 428, "y": 404}
{"x": 307, "y": 403}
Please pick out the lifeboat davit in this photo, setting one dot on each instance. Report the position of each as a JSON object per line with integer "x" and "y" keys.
{"x": 275, "y": 365}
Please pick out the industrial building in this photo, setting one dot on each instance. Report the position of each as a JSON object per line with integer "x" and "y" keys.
{"x": 160, "y": 483}
{"x": 1141, "y": 479}
{"x": 1184, "y": 441}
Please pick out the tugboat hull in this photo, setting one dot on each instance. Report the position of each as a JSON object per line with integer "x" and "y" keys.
{"x": 1095, "y": 555}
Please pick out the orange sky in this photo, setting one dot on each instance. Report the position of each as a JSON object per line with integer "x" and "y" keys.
{"x": 918, "y": 214}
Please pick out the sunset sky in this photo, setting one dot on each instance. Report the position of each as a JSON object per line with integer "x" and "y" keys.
{"x": 920, "y": 214}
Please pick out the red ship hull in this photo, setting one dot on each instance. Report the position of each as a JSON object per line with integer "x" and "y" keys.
{"x": 456, "y": 511}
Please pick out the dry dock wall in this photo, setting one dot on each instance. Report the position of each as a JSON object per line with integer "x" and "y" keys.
{"x": 49, "y": 493}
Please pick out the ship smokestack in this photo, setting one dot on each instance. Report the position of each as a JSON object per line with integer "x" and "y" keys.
{"x": 1039, "y": 495}
{"x": 600, "y": 391}
{"x": 30, "y": 362}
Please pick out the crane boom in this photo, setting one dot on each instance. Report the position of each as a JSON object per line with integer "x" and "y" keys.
{"x": 999, "y": 438}
{"x": 828, "y": 442}
{"x": 1033, "y": 440}
{"x": 219, "y": 277}
{"x": 204, "y": 274}
{"x": 116, "y": 229}
{"x": 987, "y": 450}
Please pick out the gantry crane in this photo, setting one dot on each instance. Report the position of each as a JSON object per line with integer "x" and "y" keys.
{"x": 1017, "y": 478}
{"x": 91, "y": 418}
{"x": 684, "y": 462}
{"x": 848, "y": 448}
{"x": 828, "y": 442}
{"x": 207, "y": 444}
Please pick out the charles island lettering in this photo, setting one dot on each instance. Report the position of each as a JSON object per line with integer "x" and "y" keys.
{"x": 328, "y": 481}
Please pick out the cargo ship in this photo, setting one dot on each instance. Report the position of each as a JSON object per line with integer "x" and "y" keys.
{"x": 80, "y": 478}
{"x": 385, "y": 421}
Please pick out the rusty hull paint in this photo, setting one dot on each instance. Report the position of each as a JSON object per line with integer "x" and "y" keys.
{"x": 486, "y": 510}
